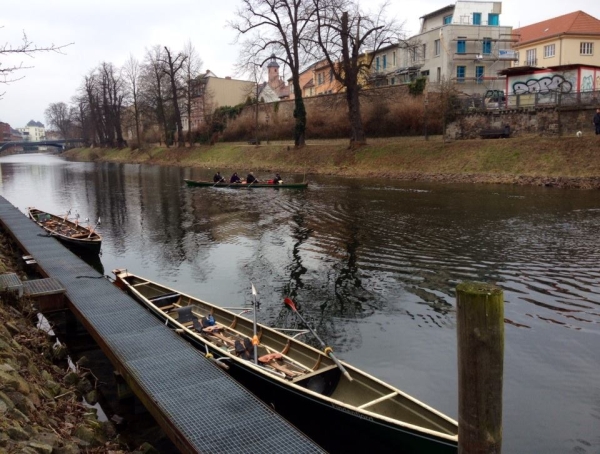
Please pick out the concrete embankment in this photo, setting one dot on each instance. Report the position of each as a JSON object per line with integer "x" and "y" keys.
{"x": 561, "y": 162}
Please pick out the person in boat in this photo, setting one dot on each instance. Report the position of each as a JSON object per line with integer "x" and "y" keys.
{"x": 251, "y": 179}
{"x": 218, "y": 178}
{"x": 277, "y": 179}
{"x": 235, "y": 178}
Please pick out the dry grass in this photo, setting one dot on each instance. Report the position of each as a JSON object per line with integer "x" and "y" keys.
{"x": 406, "y": 157}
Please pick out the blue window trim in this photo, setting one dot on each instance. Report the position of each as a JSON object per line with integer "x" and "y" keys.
{"x": 493, "y": 19}
{"x": 476, "y": 18}
{"x": 486, "y": 47}
{"x": 479, "y": 73}
{"x": 461, "y": 46}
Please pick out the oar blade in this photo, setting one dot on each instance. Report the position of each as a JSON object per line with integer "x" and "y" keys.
{"x": 288, "y": 302}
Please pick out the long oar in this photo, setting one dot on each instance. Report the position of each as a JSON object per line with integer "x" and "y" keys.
{"x": 254, "y": 181}
{"x": 61, "y": 223}
{"x": 222, "y": 180}
{"x": 92, "y": 230}
{"x": 254, "y": 335}
{"x": 327, "y": 350}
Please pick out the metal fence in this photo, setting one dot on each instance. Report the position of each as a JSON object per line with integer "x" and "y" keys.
{"x": 538, "y": 99}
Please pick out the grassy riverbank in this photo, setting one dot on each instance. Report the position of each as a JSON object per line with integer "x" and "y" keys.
{"x": 562, "y": 162}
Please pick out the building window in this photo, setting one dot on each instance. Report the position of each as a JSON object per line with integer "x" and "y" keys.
{"x": 549, "y": 50}
{"x": 331, "y": 75}
{"x": 447, "y": 19}
{"x": 413, "y": 55}
{"x": 487, "y": 46}
{"x": 461, "y": 45}
{"x": 531, "y": 57}
{"x": 493, "y": 19}
{"x": 586, "y": 48}
{"x": 439, "y": 74}
{"x": 436, "y": 45}
{"x": 394, "y": 59}
{"x": 479, "y": 74}
{"x": 424, "y": 51}
{"x": 460, "y": 73}
{"x": 476, "y": 18}
{"x": 393, "y": 81}
{"x": 376, "y": 63}
{"x": 384, "y": 61}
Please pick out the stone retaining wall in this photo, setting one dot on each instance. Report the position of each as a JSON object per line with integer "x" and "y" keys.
{"x": 543, "y": 121}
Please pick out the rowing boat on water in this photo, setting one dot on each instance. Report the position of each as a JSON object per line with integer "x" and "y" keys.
{"x": 73, "y": 234}
{"x": 302, "y": 383}
{"x": 246, "y": 186}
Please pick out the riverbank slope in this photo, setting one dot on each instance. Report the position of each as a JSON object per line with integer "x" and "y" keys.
{"x": 562, "y": 162}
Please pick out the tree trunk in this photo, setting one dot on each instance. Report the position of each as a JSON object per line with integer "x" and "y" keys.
{"x": 299, "y": 115}
{"x": 357, "y": 137}
{"x": 177, "y": 112}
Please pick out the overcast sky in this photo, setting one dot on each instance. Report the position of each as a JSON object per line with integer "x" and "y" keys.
{"x": 110, "y": 30}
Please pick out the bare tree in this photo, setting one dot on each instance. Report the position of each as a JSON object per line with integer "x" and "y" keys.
{"x": 349, "y": 40}
{"x": 154, "y": 86}
{"x": 191, "y": 70}
{"x": 113, "y": 92}
{"x": 282, "y": 28}
{"x": 133, "y": 74}
{"x": 174, "y": 64}
{"x": 26, "y": 48}
{"x": 58, "y": 115}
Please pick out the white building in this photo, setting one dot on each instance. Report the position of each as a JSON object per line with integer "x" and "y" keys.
{"x": 34, "y": 130}
{"x": 462, "y": 43}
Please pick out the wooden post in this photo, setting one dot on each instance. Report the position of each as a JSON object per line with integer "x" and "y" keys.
{"x": 480, "y": 333}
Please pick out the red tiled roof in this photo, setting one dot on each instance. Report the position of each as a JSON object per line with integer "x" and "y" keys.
{"x": 576, "y": 23}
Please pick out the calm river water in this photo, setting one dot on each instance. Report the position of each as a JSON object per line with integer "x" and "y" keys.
{"x": 373, "y": 266}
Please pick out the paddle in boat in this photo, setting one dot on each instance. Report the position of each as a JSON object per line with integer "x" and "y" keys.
{"x": 224, "y": 184}
{"x": 71, "y": 233}
{"x": 334, "y": 403}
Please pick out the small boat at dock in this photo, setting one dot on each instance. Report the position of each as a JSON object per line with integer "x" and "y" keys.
{"x": 224, "y": 184}
{"x": 329, "y": 400}
{"x": 71, "y": 233}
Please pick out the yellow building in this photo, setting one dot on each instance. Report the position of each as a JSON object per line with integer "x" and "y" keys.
{"x": 324, "y": 81}
{"x": 564, "y": 40}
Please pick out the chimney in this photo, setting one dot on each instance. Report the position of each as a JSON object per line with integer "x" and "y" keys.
{"x": 228, "y": 77}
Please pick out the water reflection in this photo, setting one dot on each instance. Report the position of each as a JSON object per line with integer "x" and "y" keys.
{"x": 372, "y": 266}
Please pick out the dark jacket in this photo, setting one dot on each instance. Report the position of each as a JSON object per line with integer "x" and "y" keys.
{"x": 596, "y": 119}
{"x": 250, "y": 179}
{"x": 218, "y": 178}
{"x": 234, "y": 178}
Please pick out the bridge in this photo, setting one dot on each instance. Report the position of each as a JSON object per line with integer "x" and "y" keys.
{"x": 60, "y": 144}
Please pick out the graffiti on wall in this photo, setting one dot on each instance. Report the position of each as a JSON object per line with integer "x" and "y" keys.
{"x": 548, "y": 84}
{"x": 587, "y": 83}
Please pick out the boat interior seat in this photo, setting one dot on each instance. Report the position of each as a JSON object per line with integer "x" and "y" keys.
{"x": 168, "y": 299}
{"x": 184, "y": 314}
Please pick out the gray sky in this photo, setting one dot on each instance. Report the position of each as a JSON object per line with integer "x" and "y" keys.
{"x": 109, "y": 30}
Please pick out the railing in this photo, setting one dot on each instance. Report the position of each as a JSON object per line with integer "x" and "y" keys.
{"x": 531, "y": 100}
{"x": 530, "y": 62}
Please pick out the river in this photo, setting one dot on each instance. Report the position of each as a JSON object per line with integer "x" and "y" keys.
{"x": 372, "y": 265}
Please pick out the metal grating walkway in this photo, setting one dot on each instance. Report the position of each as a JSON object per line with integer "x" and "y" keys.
{"x": 200, "y": 402}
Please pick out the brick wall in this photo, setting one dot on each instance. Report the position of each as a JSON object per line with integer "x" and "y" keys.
{"x": 386, "y": 111}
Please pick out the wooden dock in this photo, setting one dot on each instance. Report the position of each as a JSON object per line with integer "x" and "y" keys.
{"x": 197, "y": 404}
